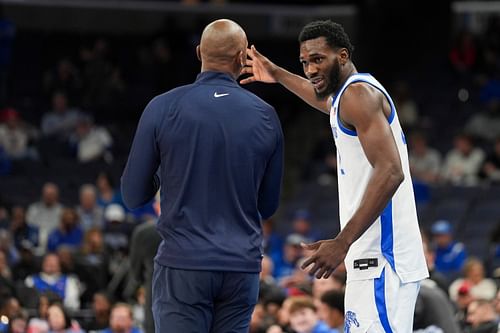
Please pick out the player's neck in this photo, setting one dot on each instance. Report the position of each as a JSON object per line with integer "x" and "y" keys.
{"x": 347, "y": 70}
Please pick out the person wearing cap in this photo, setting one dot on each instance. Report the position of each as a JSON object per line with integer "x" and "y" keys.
{"x": 301, "y": 224}
{"x": 450, "y": 254}
{"x": 292, "y": 253}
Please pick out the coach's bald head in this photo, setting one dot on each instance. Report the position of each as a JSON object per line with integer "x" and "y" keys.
{"x": 223, "y": 47}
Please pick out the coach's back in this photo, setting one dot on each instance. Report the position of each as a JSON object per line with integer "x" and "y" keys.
{"x": 220, "y": 153}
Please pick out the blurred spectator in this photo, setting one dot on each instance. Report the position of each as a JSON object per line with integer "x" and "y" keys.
{"x": 336, "y": 281}
{"x": 434, "y": 309}
{"x": 270, "y": 294}
{"x": 121, "y": 320}
{"x": 9, "y": 308}
{"x": 68, "y": 233}
{"x": 304, "y": 319}
{"x": 14, "y": 136}
{"x": 485, "y": 125}
{"x": 91, "y": 215}
{"x": 331, "y": 309}
{"x": 91, "y": 142}
{"x": 257, "y": 320}
{"x": 7, "y": 286}
{"x": 450, "y": 255}
{"x": 93, "y": 262}
{"x": 463, "y": 53}
{"x": 268, "y": 288}
{"x": 406, "y": 107}
{"x": 22, "y": 231}
{"x": 39, "y": 322}
{"x": 46, "y": 213}
{"x": 425, "y": 162}
{"x": 117, "y": 230}
{"x": 272, "y": 242}
{"x": 60, "y": 321}
{"x": 463, "y": 162}
{"x": 62, "y": 120}
{"x": 101, "y": 307}
{"x": 291, "y": 255}
{"x": 302, "y": 225}
{"x": 116, "y": 238}
{"x": 103, "y": 83}
{"x": 474, "y": 282}
{"x": 438, "y": 278}
{"x": 491, "y": 166}
{"x": 482, "y": 318}
{"x": 139, "y": 308}
{"x": 28, "y": 263}
{"x": 18, "y": 323}
{"x": 143, "y": 248}
{"x": 65, "y": 254}
{"x": 7, "y": 34}
{"x": 64, "y": 77}
{"x": 51, "y": 279}
{"x": 299, "y": 282}
{"x": 8, "y": 248}
{"x": 283, "y": 318}
{"x": 107, "y": 194}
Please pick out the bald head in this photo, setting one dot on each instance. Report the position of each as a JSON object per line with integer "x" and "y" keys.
{"x": 223, "y": 47}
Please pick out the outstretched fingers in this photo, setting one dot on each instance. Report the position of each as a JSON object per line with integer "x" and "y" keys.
{"x": 247, "y": 80}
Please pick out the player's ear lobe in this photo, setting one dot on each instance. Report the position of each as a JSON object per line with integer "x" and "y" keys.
{"x": 198, "y": 53}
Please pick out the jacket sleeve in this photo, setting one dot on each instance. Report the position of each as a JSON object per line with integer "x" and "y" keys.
{"x": 270, "y": 187}
{"x": 139, "y": 182}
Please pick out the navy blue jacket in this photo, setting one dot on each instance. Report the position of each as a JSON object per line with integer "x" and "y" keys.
{"x": 220, "y": 153}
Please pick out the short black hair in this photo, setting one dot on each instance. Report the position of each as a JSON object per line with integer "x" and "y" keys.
{"x": 334, "y": 33}
{"x": 334, "y": 299}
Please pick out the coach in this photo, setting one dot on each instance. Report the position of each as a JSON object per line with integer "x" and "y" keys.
{"x": 219, "y": 150}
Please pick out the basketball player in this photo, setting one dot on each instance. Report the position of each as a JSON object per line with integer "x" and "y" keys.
{"x": 219, "y": 149}
{"x": 379, "y": 240}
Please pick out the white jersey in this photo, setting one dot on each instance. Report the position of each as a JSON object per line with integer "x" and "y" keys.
{"x": 394, "y": 237}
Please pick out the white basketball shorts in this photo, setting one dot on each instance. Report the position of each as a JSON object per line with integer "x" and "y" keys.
{"x": 381, "y": 305}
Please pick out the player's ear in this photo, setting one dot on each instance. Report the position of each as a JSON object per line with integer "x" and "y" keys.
{"x": 343, "y": 55}
{"x": 198, "y": 53}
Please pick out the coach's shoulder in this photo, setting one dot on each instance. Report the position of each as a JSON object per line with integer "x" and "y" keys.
{"x": 168, "y": 97}
{"x": 257, "y": 101}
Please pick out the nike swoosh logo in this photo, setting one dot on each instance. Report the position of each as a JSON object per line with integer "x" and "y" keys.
{"x": 216, "y": 95}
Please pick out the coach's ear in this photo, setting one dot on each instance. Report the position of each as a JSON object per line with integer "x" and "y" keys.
{"x": 242, "y": 58}
{"x": 198, "y": 54}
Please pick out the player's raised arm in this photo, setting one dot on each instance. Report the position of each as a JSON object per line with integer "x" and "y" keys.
{"x": 261, "y": 69}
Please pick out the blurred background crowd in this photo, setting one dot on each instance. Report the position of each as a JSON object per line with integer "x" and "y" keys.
{"x": 76, "y": 75}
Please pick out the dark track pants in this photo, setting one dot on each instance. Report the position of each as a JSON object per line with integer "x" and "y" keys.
{"x": 189, "y": 301}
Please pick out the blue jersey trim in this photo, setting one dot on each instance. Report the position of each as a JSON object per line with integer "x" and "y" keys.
{"x": 387, "y": 239}
{"x": 353, "y": 132}
{"x": 379, "y": 284}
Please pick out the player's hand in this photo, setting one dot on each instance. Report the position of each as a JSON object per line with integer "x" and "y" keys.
{"x": 326, "y": 256}
{"x": 259, "y": 67}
